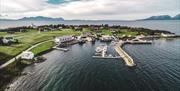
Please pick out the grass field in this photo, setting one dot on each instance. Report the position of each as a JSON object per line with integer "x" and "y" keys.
{"x": 127, "y": 33}
{"x": 28, "y": 39}
{"x": 107, "y": 32}
{"x": 43, "y": 47}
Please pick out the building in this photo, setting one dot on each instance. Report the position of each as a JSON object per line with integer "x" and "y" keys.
{"x": 89, "y": 39}
{"x": 167, "y": 35}
{"x": 27, "y": 55}
{"x": 106, "y": 38}
{"x": 63, "y": 39}
{"x": 7, "y": 40}
{"x": 33, "y": 26}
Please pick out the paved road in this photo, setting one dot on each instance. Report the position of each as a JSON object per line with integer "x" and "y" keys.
{"x": 13, "y": 59}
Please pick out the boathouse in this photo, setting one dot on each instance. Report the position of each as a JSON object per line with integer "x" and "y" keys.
{"x": 63, "y": 39}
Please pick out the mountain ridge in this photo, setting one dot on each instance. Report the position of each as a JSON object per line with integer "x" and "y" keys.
{"x": 163, "y": 17}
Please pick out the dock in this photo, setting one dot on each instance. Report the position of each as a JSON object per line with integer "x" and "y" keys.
{"x": 102, "y": 53}
{"x": 125, "y": 56}
{"x": 61, "y": 49}
{"x": 128, "y": 60}
{"x": 107, "y": 57}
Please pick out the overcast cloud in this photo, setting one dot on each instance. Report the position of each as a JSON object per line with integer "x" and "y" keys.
{"x": 89, "y": 9}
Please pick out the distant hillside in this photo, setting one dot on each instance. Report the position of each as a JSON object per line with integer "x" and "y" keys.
{"x": 37, "y": 18}
{"x": 40, "y": 18}
{"x": 177, "y": 17}
{"x": 163, "y": 17}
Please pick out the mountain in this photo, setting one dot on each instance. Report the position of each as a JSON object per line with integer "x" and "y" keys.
{"x": 41, "y": 18}
{"x": 160, "y": 17}
{"x": 177, "y": 17}
{"x": 163, "y": 17}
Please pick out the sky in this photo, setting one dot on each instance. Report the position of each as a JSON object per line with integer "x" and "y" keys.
{"x": 88, "y": 9}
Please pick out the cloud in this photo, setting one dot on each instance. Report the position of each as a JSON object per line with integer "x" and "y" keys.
{"x": 89, "y": 9}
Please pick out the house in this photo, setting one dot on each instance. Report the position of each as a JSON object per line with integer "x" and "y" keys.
{"x": 22, "y": 30}
{"x": 140, "y": 36}
{"x": 33, "y": 26}
{"x": 11, "y": 32}
{"x": 77, "y": 28}
{"x": 43, "y": 29}
{"x": 63, "y": 39}
{"x": 7, "y": 40}
{"x": 60, "y": 27}
{"x": 27, "y": 55}
{"x": 89, "y": 39}
{"x": 106, "y": 38}
{"x": 167, "y": 35}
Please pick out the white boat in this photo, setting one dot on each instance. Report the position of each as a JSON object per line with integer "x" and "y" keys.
{"x": 101, "y": 48}
{"x": 98, "y": 49}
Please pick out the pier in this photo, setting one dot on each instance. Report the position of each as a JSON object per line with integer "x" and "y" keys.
{"x": 125, "y": 56}
{"x": 128, "y": 60}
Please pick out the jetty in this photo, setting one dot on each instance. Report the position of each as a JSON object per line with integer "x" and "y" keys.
{"x": 128, "y": 60}
{"x": 61, "y": 49}
{"x": 125, "y": 56}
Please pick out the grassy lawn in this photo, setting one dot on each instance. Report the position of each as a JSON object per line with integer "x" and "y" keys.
{"x": 43, "y": 47}
{"x": 107, "y": 32}
{"x": 127, "y": 33}
{"x": 86, "y": 30}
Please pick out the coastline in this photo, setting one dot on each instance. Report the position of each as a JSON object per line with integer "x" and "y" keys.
{"x": 19, "y": 72}
{"x": 15, "y": 79}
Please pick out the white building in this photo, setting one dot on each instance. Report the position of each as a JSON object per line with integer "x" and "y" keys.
{"x": 106, "y": 38}
{"x": 27, "y": 55}
{"x": 167, "y": 35}
{"x": 8, "y": 39}
{"x": 63, "y": 39}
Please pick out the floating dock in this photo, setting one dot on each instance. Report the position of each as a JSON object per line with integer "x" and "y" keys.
{"x": 61, "y": 49}
{"x": 107, "y": 57}
{"x": 101, "y": 53}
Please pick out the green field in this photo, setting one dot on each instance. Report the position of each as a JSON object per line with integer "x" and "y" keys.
{"x": 28, "y": 39}
{"x": 43, "y": 47}
{"x": 126, "y": 32}
{"x": 107, "y": 32}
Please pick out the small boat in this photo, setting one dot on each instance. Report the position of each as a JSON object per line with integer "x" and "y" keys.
{"x": 98, "y": 49}
{"x": 82, "y": 41}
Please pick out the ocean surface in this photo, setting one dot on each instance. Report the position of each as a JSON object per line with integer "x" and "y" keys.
{"x": 158, "y": 68}
{"x": 169, "y": 25}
